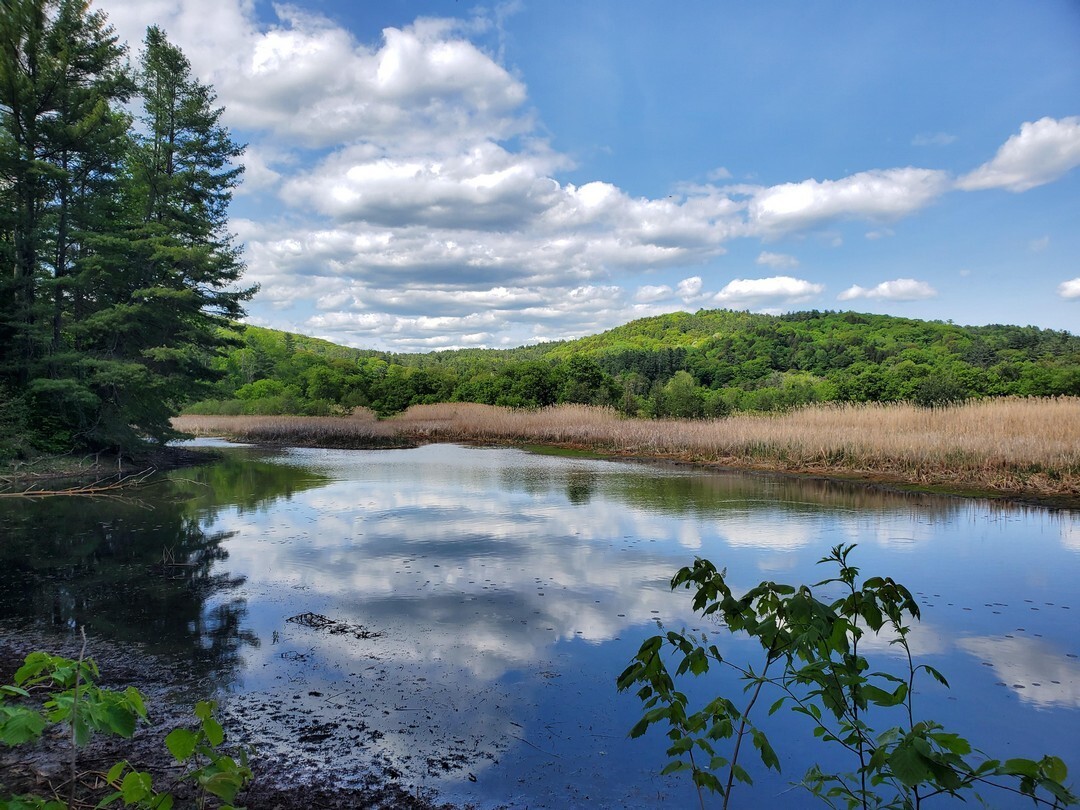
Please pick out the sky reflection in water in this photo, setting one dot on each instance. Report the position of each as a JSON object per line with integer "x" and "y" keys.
{"x": 508, "y": 590}
{"x": 512, "y": 588}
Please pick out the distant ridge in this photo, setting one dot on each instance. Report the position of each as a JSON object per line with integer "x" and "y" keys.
{"x": 706, "y": 363}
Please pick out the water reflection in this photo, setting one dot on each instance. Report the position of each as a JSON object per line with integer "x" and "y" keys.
{"x": 1036, "y": 671}
{"x": 146, "y": 569}
{"x": 510, "y": 589}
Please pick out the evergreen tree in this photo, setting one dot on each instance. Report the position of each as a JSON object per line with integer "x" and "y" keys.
{"x": 60, "y": 77}
{"x": 118, "y": 271}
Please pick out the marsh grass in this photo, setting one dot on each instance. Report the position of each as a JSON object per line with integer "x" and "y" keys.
{"x": 360, "y": 429}
{"x": 1008, "y": 445}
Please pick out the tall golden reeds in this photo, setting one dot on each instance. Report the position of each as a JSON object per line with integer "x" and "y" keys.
{"x": 1014, "y": 445}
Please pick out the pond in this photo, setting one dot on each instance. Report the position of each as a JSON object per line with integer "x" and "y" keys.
{"x": 458, "y": 615}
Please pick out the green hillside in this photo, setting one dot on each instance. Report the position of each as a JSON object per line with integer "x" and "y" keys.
{"x": 707, "y": 363}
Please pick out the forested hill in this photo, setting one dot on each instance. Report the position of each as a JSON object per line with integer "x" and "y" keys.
{"x": 707, "y": 363}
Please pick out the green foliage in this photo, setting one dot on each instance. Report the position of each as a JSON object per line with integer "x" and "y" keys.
{"x": 118, "y": 271}
{"x": 812, "y": 662}
{"x": 708, "y": 364}
{"x": 72, "y": 698}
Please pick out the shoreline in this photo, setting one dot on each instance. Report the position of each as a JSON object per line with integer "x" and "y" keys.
{"x": 108, "y": 476}
{"x": 961, "y": 472}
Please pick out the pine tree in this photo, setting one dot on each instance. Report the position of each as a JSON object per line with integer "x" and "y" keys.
{"x": 61, "y": 80}
{"x": 119, "y": 276}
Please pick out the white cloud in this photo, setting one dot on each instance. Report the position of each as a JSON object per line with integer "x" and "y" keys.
{"x": 901, "y": 289}
{"x": 482, "y": 187}
{"x": 762, "y": 292}
{"x": 1039, "y": 245}
{"x": 880, "y": 233}
{"x": 648, "y": 294}
{"x": 1040, "y": 153}
{"x": 689, "y": 288}
{"x": 420, "y": 204}
{"x": 1070, "y": 289}
{"x": 780, "y": 261}
{"x": 881, "y": 194}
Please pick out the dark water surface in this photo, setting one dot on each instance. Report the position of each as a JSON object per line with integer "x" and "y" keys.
{"x": 483, "y": 601}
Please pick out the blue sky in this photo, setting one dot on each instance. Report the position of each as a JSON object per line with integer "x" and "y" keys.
{"x": 426, "y": 175}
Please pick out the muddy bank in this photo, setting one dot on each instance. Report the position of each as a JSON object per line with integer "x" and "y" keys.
{"x": 281, "y": 782}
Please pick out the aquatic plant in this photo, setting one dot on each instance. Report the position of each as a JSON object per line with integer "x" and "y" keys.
{"x": 814, "y": 666}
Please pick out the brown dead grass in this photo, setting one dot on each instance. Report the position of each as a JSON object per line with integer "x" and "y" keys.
{"x": 1013, "y": 446}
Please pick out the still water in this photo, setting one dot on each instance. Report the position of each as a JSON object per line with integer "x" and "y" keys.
{"x": 459, "y": 615}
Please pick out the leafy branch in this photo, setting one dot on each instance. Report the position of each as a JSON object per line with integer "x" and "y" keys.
{"x": 813, "y": 660}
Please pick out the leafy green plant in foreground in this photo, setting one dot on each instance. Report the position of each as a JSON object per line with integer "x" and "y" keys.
{"x": 813, "y": 665}
{"x": 50, "y": 690}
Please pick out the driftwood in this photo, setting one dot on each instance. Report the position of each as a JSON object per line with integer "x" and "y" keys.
{"x": 100, "y": 487}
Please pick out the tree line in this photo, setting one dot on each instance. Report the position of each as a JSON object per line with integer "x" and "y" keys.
{"x": 119, "y": 276}
{"x": 705, "y": 364}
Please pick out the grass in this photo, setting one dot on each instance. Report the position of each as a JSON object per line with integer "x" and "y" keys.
{"x": 1028, "y": 447}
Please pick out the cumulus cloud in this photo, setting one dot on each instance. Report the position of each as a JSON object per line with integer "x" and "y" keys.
{"x": 780, "y": 261}
{"x": 901, "y": 289}
{"x": 420, "y": 205}
{"x": 689, "y": 288}
{"x": 1040, "y": 153}
{"x": 1070, "y": 289}
{"x": 775, "y": 291}
{"x": 881, "y": 195}
{"x": 484, "y": 186}
{"x": 649, "y": 293}
{"x": 307, "y": 80}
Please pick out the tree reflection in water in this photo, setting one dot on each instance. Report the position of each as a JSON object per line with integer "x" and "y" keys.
{"x": 141, "y": 569}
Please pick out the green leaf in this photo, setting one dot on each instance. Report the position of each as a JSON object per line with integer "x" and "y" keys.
{"x": 112, "y": 797}
{"x": 135, "y": 699}
{"x": 952, "y": 742}
{"x": 120, "y": 721}
{"x": 675, "y": 766}
{"x": 741, "y": 774}
{"x": 181, "y": 743}
{"x": 136, "y": 787}
{"x": 768, "y": 755}
{"x": 205, "y": 708}
{"x": 115, "y": 771}
{"x": 213, "y": 730}
{"x": 1055, "y": 769}
{"x": 223, "y": 785}
{"x": 19, "y": 724}
{"x": 1021, "y": 767}
{"x": 937, "y": 676}
{"x": 908, "y": 765}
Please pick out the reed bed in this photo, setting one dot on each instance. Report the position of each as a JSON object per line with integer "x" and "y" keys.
{"x": 361, "y": 429}
{"x": 1025, "y": 446}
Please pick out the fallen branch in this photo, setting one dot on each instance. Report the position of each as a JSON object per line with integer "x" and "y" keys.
{"x": 98, "y": 487}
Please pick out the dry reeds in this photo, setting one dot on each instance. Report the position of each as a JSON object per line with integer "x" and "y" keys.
{"x": 361, "y": 429}
{"x": 1012, "y": 445}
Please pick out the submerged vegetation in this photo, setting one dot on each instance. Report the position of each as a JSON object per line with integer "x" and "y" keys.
{"x": 1009, "y": 446}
